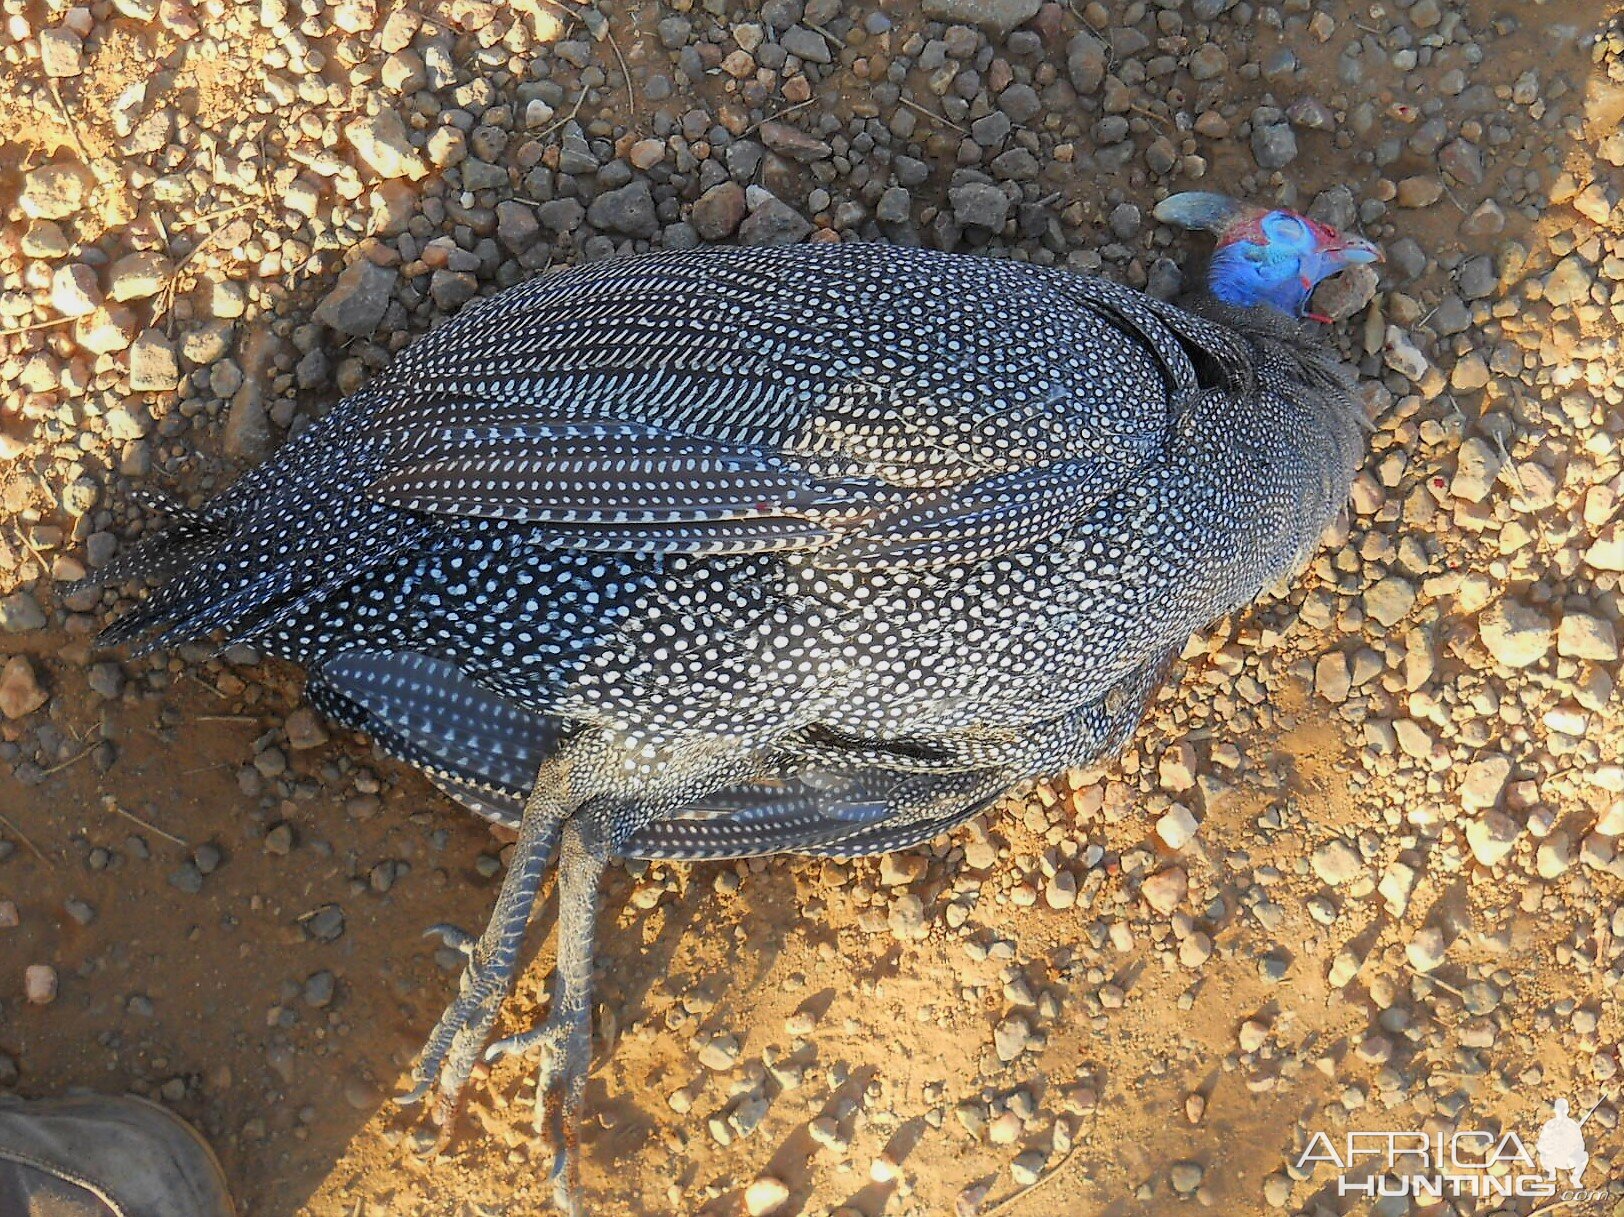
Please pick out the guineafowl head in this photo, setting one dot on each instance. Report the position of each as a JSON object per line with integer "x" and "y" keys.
{"x": 1274, "y": 258}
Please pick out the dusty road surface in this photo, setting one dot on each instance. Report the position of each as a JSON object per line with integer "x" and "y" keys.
{"x": 1360, "y": 870}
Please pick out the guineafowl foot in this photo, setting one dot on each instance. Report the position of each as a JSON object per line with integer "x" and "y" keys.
{"x": 453, "y": 1048}
{"x": 565, "y": 1040}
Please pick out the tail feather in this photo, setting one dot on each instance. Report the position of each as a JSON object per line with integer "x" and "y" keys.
{"x": 184, "y": 540}
{"x": 242, "y": 567}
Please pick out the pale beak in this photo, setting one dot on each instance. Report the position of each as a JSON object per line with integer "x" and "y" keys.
{"x": 1352, "y": 251}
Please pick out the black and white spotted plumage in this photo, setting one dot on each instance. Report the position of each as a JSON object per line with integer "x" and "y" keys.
{"x": 847, "y": 538}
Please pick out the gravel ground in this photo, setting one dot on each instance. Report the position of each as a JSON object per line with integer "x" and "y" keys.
{"x": 1360, "y": 870}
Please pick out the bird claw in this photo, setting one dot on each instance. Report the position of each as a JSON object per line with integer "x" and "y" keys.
{"x": 516, "y": 1045}
{"x": 458, "y": 939}
{"x": 566, "y": 1054}
{"x": 452, "y": 1050}
{"x": 415, "y": 1095}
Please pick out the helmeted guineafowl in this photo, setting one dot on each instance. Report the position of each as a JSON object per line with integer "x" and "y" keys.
{"x": 815, "y": 549}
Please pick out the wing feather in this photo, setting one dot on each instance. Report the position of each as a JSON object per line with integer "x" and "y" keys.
{"x": 854, "y": 401}
{"x": 975, "y": 522}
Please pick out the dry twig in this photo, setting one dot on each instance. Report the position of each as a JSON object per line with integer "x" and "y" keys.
{"x": 568, "y": 118}
{"x": 72, "y": 760}
{"x": 932, "y": 115}
{"x": 631, "y": 97}
{"x": 12, "y": 828}
{"x": 772, "y": 118}
{"x": 38, "y": 325}
{"x": 67, "y": 118}
{"x": 1003, "y": 1205}
{"x": 111, "y": 805}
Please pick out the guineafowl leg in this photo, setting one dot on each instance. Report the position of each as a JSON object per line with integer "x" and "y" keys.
{"x": 453, "y": 1047}
{"x": 565, "y": 1040}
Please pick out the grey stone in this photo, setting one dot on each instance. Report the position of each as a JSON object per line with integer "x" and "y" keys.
{"x": 326, "y": 925}
{"x": 674, "y": 32}
{"x": 991, "y": 130}
{"x": 304, "y": 729}
{"x": 1020, "y": 102}
{"x": 1027, "y": 1168}
{"x": 20, "y": 613}
{"x": 451, "y": 289}
{"x": 1185, "y": 1177}
{"x": 997, "y": 17}
{"x": 895, "y": 206}
{"x": 1336, "y": 207}
{"x": 1462, "y": 161}
{"x": 1478, "y": 280}
{"x": 1336, "y": 862}
{"x": 1406, "y": 256}
{"x": 1486, "y": 221}
{"x": 358, "y": 299}
{"x": 806, "y": 44}
{"x": 981, "y": 204}
{"x": 1311, "y": 114}
{"x": 561, "y": 215}
{"x": 1085, "y": 62}
{"x": 1343, "y": 295}
{"x": 774, "y": 223}
{"x": 1016, "y": 165}
{"x": 1125, "y": 220}
{"x": 319, "y": 988}
{"x": 153, "y": 367}
{"x": 1274, "y": 145}
{"x": 1209, "y": 62}
{"x": 1451, "y": 317}
{"x": 516, "y": 226}
{"x": 482, "y": 175}
{"x": 628, "y": 210}
{"x": 106, "y": 680}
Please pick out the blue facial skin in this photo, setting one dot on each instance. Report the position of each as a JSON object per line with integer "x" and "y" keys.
{"x": 1279, "y": 266}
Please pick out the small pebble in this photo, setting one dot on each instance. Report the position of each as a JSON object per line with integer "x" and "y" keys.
{"x": 39, "y": 984}
{"x": 765, "y": 1196}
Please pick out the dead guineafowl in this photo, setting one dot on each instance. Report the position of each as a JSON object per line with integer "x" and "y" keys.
{"x": 748, "y": 551}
